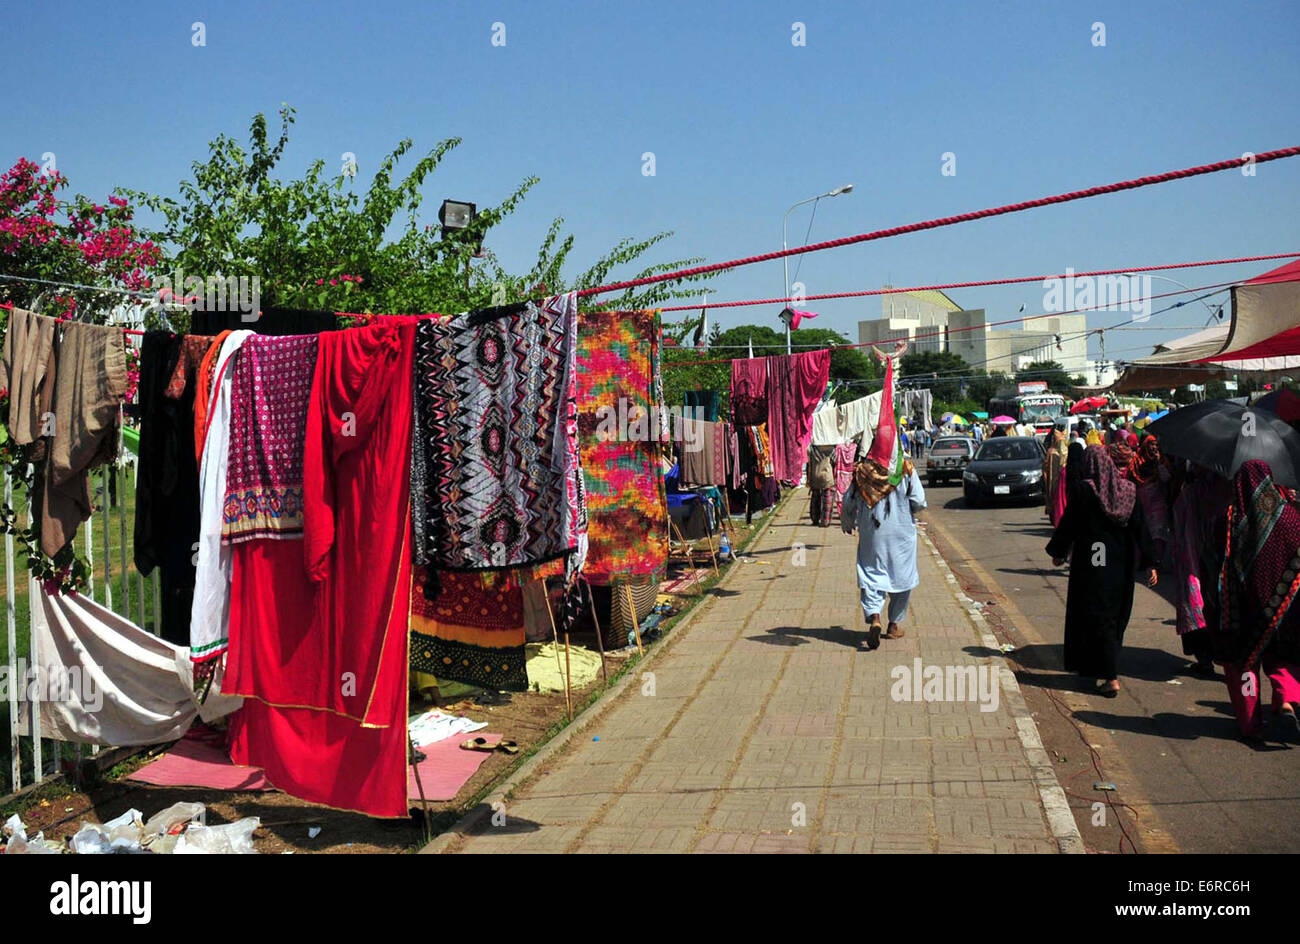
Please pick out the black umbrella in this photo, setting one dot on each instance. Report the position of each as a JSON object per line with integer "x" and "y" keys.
{"x": 1220, "y": 435}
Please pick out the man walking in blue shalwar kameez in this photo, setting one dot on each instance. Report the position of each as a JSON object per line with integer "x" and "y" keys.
{"x": 886, "y": 491}
{"x": 882, "y": 515}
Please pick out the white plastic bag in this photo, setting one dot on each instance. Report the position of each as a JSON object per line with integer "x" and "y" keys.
{"x": 229, "y": 839}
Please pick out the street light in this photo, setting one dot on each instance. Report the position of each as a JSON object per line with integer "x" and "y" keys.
{"x": 785, "y": 260}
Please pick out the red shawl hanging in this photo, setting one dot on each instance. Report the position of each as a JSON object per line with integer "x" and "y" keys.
{"x": 318, "y": 629}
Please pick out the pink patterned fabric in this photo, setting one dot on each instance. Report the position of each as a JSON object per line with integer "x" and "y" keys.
{"x": 749, "y": 391}
{"x": 844, "y": 454}
{"x": 270, "y": 389}
{"x": 795, "y": 385}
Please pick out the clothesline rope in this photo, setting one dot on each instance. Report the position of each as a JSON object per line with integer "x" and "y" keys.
{"x": 991, "y": 324}
{"x": 952, "y": 220}
{"x": 984, "y": 283}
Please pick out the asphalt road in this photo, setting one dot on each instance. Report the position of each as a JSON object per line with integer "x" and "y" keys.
{"x": 1184, "y": 781}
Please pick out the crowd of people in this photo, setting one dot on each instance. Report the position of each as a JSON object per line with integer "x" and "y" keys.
{"x": 1120, "y": 510}
{"x": 1119, "y": 507}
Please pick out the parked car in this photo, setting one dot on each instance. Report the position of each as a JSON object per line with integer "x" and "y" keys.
{"x": 1004, "y": 467}
{"x": 947, "y": 458}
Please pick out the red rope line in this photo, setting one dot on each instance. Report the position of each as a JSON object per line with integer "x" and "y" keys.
{"x": 983, "y": 283}
{"x": 950, "y": 220}
{"x": 986, "y": 324}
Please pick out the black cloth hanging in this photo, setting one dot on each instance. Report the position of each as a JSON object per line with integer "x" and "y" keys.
{"x": 167, "y": 485}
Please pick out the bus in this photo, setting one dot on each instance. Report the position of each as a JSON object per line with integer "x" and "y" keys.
{"x": 1031, "y": 403}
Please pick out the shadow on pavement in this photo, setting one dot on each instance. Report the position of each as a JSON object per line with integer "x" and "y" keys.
{"x": 800, "y": 635}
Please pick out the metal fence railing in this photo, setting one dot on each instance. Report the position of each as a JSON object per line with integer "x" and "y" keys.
{"x": 106, "y": 543}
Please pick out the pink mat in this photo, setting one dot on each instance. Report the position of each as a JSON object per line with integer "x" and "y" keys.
{"x": 199, "y": 763}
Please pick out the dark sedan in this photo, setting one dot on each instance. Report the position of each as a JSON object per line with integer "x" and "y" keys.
{"x": 1004, "y": 467}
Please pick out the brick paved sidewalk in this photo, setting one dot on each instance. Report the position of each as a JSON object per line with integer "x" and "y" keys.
{"x": 769, "y": 728}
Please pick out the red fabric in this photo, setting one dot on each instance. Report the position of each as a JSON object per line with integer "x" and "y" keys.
{"x": 882, "y": 446}
{"x": 795, "y": 385}
{"x": 318, "y": 629}
{"x": 749, "y": 391}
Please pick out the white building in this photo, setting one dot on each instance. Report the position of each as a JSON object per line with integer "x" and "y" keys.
{"x": 931, "y": 321}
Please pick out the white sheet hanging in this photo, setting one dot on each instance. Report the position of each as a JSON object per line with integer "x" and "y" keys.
{"x": 210, "y": 614}
{"x": 103, "y": 680}
{"x": 833, "y": 425}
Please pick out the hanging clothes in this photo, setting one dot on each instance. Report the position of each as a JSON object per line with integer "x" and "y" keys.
{"x": 695, "y": 446}
{"x": 210, "y": 616}
{"x": 494, "y": 471}
{"x": 26, "y": 369}
{"x": 318, "y": 628}
{"x": 167, "y": 476}
{"x": 844, "y": 456}
{"x": 847, "y": 422}
{"x": 89, "y": 384}
{"x": 104, "y": 680}
{"x": 796, "y": 383}
{"x": 702, "y": 404}
{"x": 264, "y": 490}
{"x": 749, "y": 391}
{"x": 472, "y": 631}
{"x": 617, "y": 374}
{"x": 916, "y": 405}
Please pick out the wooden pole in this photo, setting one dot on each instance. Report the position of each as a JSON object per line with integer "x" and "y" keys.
{"x": 600, "y": 642}
{"x": 636, "y": 623}
{"x": 568, "y": 698}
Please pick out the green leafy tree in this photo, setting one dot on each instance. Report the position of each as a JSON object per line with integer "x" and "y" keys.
{"x": 319, "y": 242}
{"x": 1051, "y": 371}
{"x": 984, "y": 386}
{"x": 941, "y": 371}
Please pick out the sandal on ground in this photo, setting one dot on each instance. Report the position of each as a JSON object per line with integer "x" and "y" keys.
{"x": 508, "y": 747}
{"x": 1287, "y": 714}
{"x": 873, "y": 634}
{"x": 895, "y": 632}
{"x": 1104, "y": 688}
{"x": 477, "y": 744}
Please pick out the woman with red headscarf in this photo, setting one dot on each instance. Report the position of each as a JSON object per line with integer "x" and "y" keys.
{"x": 1101, "y": 533}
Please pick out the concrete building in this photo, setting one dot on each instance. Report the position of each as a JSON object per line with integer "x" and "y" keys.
{"x": 932, "y": 321}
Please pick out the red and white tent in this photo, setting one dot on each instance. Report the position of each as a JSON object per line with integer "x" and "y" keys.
{"x": 1263, "y": 336}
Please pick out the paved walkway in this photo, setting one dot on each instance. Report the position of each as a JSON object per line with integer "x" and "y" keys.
{"x": 764, "y": 726}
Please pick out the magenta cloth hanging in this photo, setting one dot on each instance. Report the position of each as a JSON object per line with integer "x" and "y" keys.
{"x": 749, "y": 391}
{"x": 882, "y": 446}
{"x": 795, "y": 385}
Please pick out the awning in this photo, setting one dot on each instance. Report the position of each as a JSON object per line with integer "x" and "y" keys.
{"x": 1263, "y": 337}
{"x": 1265, "y": 318}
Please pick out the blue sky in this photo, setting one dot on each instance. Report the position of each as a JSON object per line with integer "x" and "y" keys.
{"x": 742, "y": 123}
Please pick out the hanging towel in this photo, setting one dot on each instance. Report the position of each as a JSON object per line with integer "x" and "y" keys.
{"x": 25, "y": 370}
{"x": 89, "y": 384}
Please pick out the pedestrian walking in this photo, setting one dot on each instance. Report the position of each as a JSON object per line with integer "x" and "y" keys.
{"x": 1259, "y": 630}
{"x": 1102, "y": 536}
{"x": 821, "y": 484}
{"x": 882, "y": 514}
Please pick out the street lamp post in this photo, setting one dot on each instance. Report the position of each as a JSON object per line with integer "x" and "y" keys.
{"x": 785, "y": 260}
